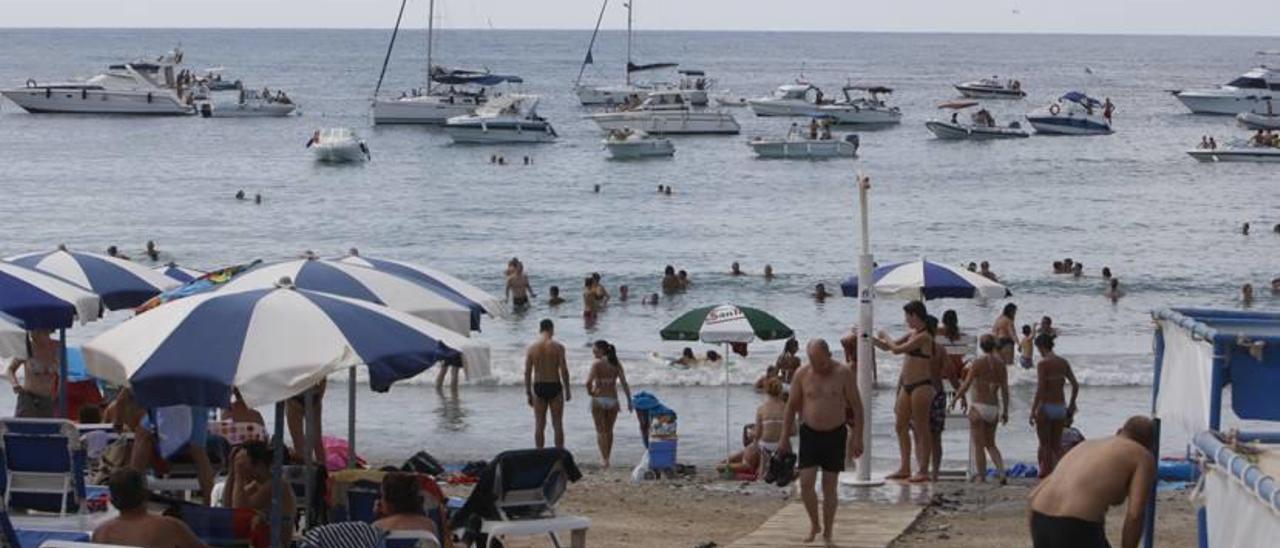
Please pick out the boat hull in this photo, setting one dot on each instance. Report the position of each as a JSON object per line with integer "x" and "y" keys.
{"x": 647, "y": 148}
{"x": 1066, "y": 125}
{"x": 1235, "y": 155}
{"x": 775, "y": 107}
{"x": 803, "y": 149}
{"x": 96, "y": 101}
{"x": 669, "y": 123}
{"x": 962, "y": 132}
{"x": 620, "y": 95}
{"x": 476, "y": 133}
{"x": 339, "y": 153}
{"x": 851, "y": 115}
{"x": 1255, "y": 121}
{"x": 1225, "y": 103}
{"x": 976, "y": 92}
{"x": 248, "y": 110}
{"x": 418, "y": 110}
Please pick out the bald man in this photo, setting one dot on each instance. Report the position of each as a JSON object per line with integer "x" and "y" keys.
{"x": 825, "y": 394}
{"x": 1069, "y": 508}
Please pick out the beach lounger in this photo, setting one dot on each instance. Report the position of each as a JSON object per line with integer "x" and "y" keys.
{"x": 411, "y": 539}
{"x": 215, "y": 526}
{"x": 44, "y": 465}
{"x": 517, "y": 495}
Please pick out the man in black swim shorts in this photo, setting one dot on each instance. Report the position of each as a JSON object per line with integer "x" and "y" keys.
{"x": 546, "y": 384}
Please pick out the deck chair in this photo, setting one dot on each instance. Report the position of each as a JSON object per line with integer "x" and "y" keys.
{"x": 363, "y": 495}
{"x": 44, "y": 465}
{"x": 411, "y": 539}
{"x": 517, "y": 495}
{"x": 214, "y": 526}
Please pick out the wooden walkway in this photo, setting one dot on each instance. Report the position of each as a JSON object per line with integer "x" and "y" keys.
{"x": 858, "y": 525}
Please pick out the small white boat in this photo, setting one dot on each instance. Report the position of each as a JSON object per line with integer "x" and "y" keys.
{"x": 1237, "y": 151}
{"x": 511, "y": 118}
{"x": 246, "y": 104}
{"x": 1257, "y": 120}
{"x": 626, "y": 144}
{"x": 732, "y": 101}
{"x": 801, "y": 147}
{"x": 992, "y": 88}
{"x": 667, "y": 112}
{"x": 982, "y": 126}
{"x": 798, "y": 99}
{"x": 1248, "y": 93}
{"x": 338, "y": 145}
{"x": 868, "y": 110}
{"x": 1073, "y": 114}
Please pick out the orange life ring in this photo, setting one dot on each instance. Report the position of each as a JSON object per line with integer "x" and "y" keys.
{"x": 1054, "y": 109}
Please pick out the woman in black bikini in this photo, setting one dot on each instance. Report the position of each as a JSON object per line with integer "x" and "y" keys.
{"x": 915, "y": 391}
{"x": 1006, "y": 333}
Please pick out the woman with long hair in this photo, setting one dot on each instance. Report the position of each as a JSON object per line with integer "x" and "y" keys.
{"x": 1006, "y": 333}
{"x": 602, "y": 384}
{"x": 915, "y": 391}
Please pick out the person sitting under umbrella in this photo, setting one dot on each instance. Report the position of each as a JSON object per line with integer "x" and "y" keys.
{"x": 250, "y": 484}
{"x": 134, "y": 526}
{"x": 400, "y": 506}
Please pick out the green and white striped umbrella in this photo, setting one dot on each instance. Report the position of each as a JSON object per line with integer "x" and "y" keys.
{"x": 726, "y": 324}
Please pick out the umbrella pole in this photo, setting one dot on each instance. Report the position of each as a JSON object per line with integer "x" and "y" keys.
{"x": 866, "y": 326}
{"x": 63, "y": 404}
{"x": 728, "y": 435}
{"x": 351, "y": 418}
{"x": 277, "y": 484}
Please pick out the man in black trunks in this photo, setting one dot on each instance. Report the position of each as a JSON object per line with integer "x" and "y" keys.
{"x": 825, "y": 394}
{"x": 1069, "y": 508}
{"x": 546, "y": 384}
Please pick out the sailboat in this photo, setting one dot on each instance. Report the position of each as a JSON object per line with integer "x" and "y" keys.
{"x": 449, "y": 92}
{"x": 694, "y": 82}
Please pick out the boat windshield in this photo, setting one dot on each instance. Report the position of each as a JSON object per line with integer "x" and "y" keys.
{"x": 1246, "y": 82}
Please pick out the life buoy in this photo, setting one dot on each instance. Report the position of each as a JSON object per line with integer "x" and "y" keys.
{"x": 1054, "y": 109}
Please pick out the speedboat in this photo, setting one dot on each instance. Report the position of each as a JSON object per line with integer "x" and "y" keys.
{"x": 1237, "y": 151}
{"x": 510, "y": 118}
{"x": 338, "y": 145}
{"x": 1267, "y": 120}
{"x": 802, "y": 148}
{"x": 991, "y": 88}
{"x": 870, "y": 109}
{"x": 694, "y": 82}
{"x": 139, "y": 87}
{"x": 246, "y": 104}
{"x": 1248, "y": 93}
{"x": 626, "y": 143}
{"x": 798, "y": 99}
{"x": 982, "y": 126}
{"x": 667, "y": 112}
{"x": 1072, "y": 114}
{"x": 732, "y": 101}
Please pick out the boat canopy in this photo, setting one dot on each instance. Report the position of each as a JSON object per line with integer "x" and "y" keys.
{"x": 1081, "y": 99}
{"x": 632, "y": 67}
{"x": 958, "y": 105}
{"x": 452, "y": 76}
{"x": 511, "y": 104}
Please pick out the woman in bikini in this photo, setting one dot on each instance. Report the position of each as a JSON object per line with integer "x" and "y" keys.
{"x": 915, "y": 391}
{"x": 765, "y": 435}
{"x": 1050, "y": 411}
{"x": 1006, "y": 333}
{"x": 602, "y": 384}
{"x": 989, "y": 380}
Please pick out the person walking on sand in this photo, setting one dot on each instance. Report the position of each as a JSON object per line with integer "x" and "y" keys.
{"x": 989, "y": 380}
{"x": 546, "y": 384}
{"x": 1050, "y": 411}
{"x": 602, "y": 385}
{"x": 825, "y": 395}
{"x": 518, "y": 290}
{"x": 915, "y": 392}
{"x": 1005, "y": 332}
{"x": 1069, "y": 508}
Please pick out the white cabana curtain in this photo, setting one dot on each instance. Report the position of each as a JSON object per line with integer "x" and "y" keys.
{"x": 1237, "y": 518}
{"x": 1186, "y": 377}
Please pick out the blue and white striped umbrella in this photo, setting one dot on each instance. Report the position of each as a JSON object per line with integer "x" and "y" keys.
{"x": 477, "y": 300}
{"x": 271, "y": 343}
{"x": 181, "y": 274}
{"x": 360, "y": 283}
{"x": 40, "y": 301}
{"x": 120, "y": 283}
{"x": 924, "y": 280}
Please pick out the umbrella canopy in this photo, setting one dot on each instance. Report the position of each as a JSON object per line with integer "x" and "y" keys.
{"x": 120, "y": 283}
{"x": 359, "y": 283}
{"x": 13, "y": 339}
{"x": 270, "y": 343}
{"x": 924, "y": 280}
{"x": 725, "y": 324}
{"x": 477, "y": 300}
{"x": 181, "y": 274}
{"x": 41, "y": 301}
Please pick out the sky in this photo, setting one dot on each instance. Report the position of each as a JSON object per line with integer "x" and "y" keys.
{"x": 1218, "y": 17}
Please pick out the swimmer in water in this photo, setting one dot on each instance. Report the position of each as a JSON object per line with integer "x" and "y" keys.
{"x": 1078, "y": 270}
{"x": 240, "y": 194}
{"x": 1106, "y": 273}
{"x": 768, "y": 272}
{"x": 652, "y": 299}
{"x": 670, "y": 283}
{"x": 1246, "y": 295}
{"x": 623, "y": 293}
{"x": 555, "y": 299}
{"x": 112, "y": 251}
{"x": 986, "y": 272}
{"x": 820, "y": 293}
{"x": 687, "y": 358}
{"x": 1113, "y": 290}
{"x": 735, "y": 270}
{"x": 684, "y": 280}
{"x": 973, "y": 267}
{"x": 152, "y": 252}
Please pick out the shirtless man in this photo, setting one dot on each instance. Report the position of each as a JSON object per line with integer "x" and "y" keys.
{"x": 1006, "y": 332}
{"x": 134, "y": 526}
{"x": 37, "y": 390}
{"x": 555, "y": 299}
{"x": 788, "y": 362}
{"x": 1069, "y": 508}
{"x": 825, "y": 394}
{"x": 1050, "y": 412}
{"x": 670, "y": 283}
{"x": 591, "y": 303}
{"x": 735, "y": 269}
{"x": 518, "y": 289}
{"x": 1113, "y": 290}
{"x": 546, "y": 384}
{"x": 820, "y": 293}
{"x": 986, "y": 272}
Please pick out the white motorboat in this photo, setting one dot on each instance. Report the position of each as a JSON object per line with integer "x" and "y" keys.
{"x": 667, "y": 112}
{"x": 1072, "y": 114}
{"x": 732, "y": 101}
{"x": 981, "y": 127}
{"x": 798, "y": 99}
{"x": 869, "y": 109}
{"x": 1267, "y": 120}
{"x": 140, "y": 87}
{"x": 992, "y": 88}
{"x": 631, "y": 91}
{"x": 1248, "y": 93}
{"x": 246, "y": 104}
{"x": 799, "y": 147}
{"x": 338, "y": 145}
{"x": 510, "y": 118}
{"x": 1237, "y": 151}
{"x": 626, "y": 144}
{"x": 695, "y": 84}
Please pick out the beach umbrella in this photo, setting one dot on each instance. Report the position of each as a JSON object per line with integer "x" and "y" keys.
{"x": 35, "y": 300}
{"x": 726, "y": 324}
{"x": 181, "y": 274}
{"x": 270, "y": 343}
{"x": 359, "y": 283}
{"x": 120, "y": 283}
{"x": 924, "y": 280}
{"x": 477, "y": 300}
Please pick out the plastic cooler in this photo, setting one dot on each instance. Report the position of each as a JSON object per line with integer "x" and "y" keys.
{"x": 662, "y": 454}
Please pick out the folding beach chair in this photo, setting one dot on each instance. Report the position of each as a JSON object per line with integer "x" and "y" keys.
{"x": 411, "y": 539}
{"x": 44, "y": 465}
{"x": 517, "y": 495}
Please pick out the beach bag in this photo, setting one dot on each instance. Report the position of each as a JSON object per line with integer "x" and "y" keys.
{"x": 423, "y": 463}
{"x": 638, "y": 473}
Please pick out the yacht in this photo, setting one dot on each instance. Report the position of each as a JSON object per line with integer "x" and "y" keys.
{"x": 631, "y": 90}
{"x": 1072, "y": 114}
{"x": 139, "y": 87}
{"x": 991, "y": 88}
{"x": 981, "y": 126}
{"x": 667, "y": 112}
{"x": 1248, "y": 93}
{"x": 798, "y": 99}
{"x": 338, "y": 145}
{"x": 1237, "y": 151}
{"x": 819, "y": 144}
{"x": 627, "y": 144}
{"x": 869, "y": 109}
{"x": 510, "y": 118}
{"x": 246, "y": 103}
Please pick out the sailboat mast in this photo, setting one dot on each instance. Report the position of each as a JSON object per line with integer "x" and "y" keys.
{"x": 629, "y": 2}
{"x": 431, "y": 27}
{"x": 591, "y": 45}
